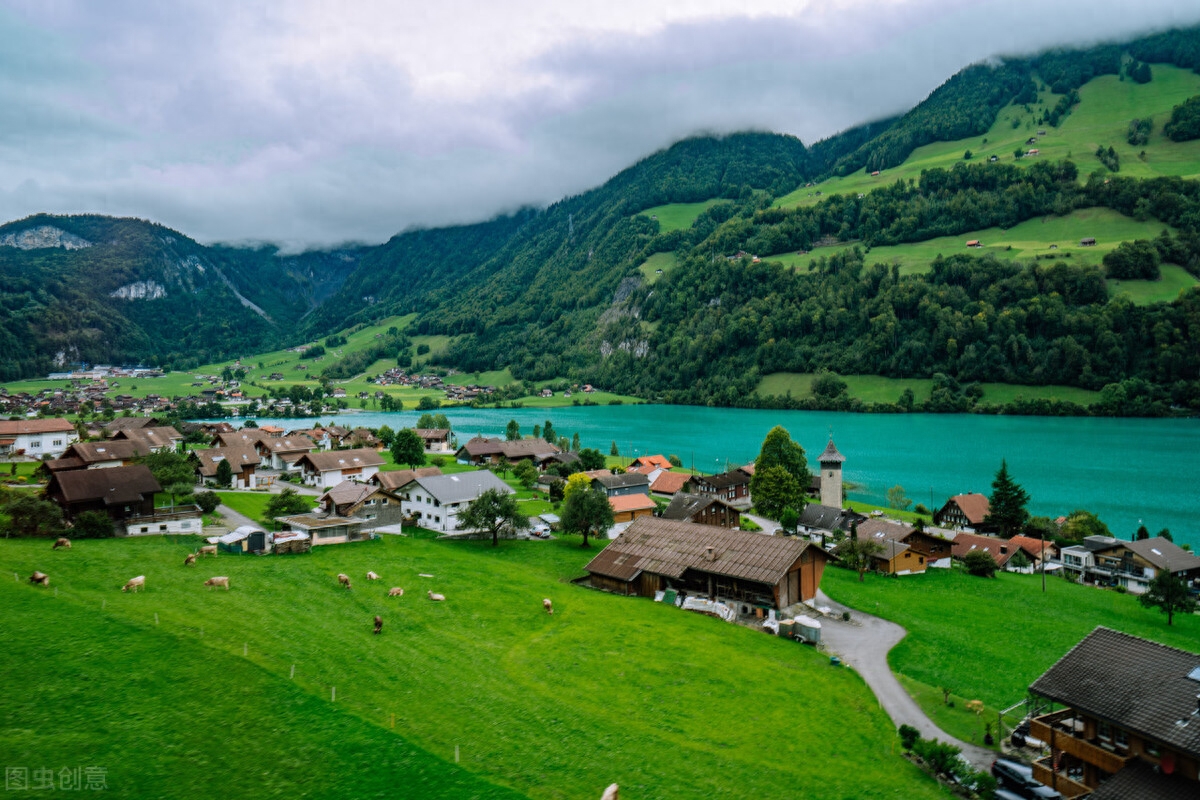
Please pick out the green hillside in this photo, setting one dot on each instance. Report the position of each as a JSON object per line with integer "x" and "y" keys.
{"x": 676, "y": 216}
{"x": 664, "y": 702}
{"x": 878, "y": 389}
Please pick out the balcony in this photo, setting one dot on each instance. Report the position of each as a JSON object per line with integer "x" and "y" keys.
{"x": 1065, "y": 731}
{"x": 1043, "y": 773}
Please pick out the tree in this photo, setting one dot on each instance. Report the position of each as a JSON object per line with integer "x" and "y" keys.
{"x": 858, "y": 554}
{"x": 548, "y": 432}
{"x": 613, "y": 451}
{"x": 492, "y": 512}
{"x": 1081, "y": 524}
{"x": 896, "y": 498}
{"x": 441, "y": 422}
{"x": 224, "y": 473}
{"x": 774, "y": 491}
{"x": 788, "y": 519}
{"x": 1142, "y": 533}
{"x": 512, "y": 431}
{"x": 827, "y": 385}
{"x": 526, "y": 473}
{"x": 1006, "y": 506}
{"x": 579, "y": 482}
{"x": 1165, "y": 533}
{"x": 778, "y": 450}
{"x": 425, "y": 421}
{"x": 408, "y": 448}
{"x": 208, "y": 501}
{"x": 169, "y": 468}
{"x": 428, "y": 403}
{"x": 1136, "y": 260}
{"x": 503, "y": 466}
{"x": 575, "y": 444}
{"x": 93, "y": 525}
{"x": 675, "y": 461}
{"x": 1169, "y": 593}
{"x": 386, "y": 435}
{"x": 981, "y": 563}
{"x": 287, "y": 502}
{"x": 591, "y": 458}
{"x": 30, "y": 516}
{"x": 587, "y": 513}
{"x": 537, "y": 431}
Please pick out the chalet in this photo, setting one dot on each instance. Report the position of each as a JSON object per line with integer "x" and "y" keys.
{"x": 437, "y": 440}
{"x": 819, "y": 520}
{"x": 393, "y": 480}
{"x": 974, "y": 243}
{"x": 36, "y": 438}
{"x": 999, "y": 549}
{"x": 659, "y": 462}
{"x": 155, "y": 439}
{"x": 747, "y": 571}
{"x": 130, "y": 423}
{"x": 98, "y": 455}
{"x": 242, "y": 462}
{"x": 1113, "y": 562}
{"x": 624, "y": 484}
{"x": 963, "y": 511}
{"x": 670, "y": 483}
{"x": 1037, "y": 550}
{"x": 1088, "y": 241}
{"x": 1130, "y": 723}
{"x": 320, "y": 437}
{"x": 628, "y": 507}
{"x": 284, "y": 453}
{"x": 375, "y": 506}
{"x": 933, "y": 549}
{"x": 702, "y": 510}
{"x": 437, "y": 500}
{"x": 489, "y": 451}
{"x": 327, "y": 470}
{"x": 243, "y": 437}
{"x": 126, "y": 495}
{"x": 733, "y": 487}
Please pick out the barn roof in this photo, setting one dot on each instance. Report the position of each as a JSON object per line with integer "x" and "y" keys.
{"x": 113, "y": 486}
{"x": 630, "y": 502}
{"x": 974, "y": 506}
{"x": 396, "y": 478}
{"x": 667, "y": 547}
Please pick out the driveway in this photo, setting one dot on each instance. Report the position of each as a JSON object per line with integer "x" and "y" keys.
{"x": 864, "y": 644}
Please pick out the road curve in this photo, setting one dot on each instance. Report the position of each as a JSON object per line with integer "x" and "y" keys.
{"x": 864, "y": 645}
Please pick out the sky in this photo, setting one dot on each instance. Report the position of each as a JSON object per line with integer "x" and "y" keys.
{"x": 311, "y": 123}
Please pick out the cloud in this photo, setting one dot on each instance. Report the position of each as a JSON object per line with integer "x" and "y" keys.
{"x": 312, "y": 123}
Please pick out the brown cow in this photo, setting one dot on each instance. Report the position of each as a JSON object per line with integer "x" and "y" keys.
{"x": 220, "y": 580}
{"x": 135, "y": 584}
{"x": 395, "y": 591}
{"x": 190, "y": 560}
{"x": 39, "y": 578}
{"x": 63, "y": 542}
{"x": 344, "y": 580}
{"x": 371, "y": 576}
{"x": 378, "y": 623}
{"x": 546, "y": 604}
{"x": 209, "y": 550}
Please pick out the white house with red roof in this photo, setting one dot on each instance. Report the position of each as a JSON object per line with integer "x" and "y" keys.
{"x": 36, "y": 438}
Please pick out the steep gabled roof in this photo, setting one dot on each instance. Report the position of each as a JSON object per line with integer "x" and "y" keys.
{"x": 341, "y": 459}
{"x": 1165, "y": 554}
{"x": 966, "y": 542}
{"x": 974, "y": 506}
{"x": 238, "y": 457}
{"x": 240, "y": 438}
{"x": 113, "y": 486}
{"x": 670, "y": 482}
{"x": 462, "y": 486}
{"x": 831, "y": 455}
{"x": 116, "y": 450}
{"x": 684, "y": 507}
{"x": 394, "y": 479}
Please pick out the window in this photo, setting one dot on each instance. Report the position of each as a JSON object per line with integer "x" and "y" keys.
{"x": 58, "y": 442}
{"x": 1121, "y": 738}
{"x": 145, "y": 529}
{"x": 37, "y": 443}
{"x": 1104, "y": 732}
{"x": 1152, "y": 750}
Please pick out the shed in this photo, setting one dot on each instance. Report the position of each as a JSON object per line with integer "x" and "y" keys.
{"x": 245, "y": 539}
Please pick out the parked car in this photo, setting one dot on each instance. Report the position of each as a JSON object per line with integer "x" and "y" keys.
{"x": 1018, "y": 778}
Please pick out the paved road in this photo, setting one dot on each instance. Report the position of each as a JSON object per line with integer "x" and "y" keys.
{"x": 864, "y": 645}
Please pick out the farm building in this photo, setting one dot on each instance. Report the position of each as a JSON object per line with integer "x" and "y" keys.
{"x": 702, "y": 510}
{"x": 326, "y": 470}
{"x": 325, "y": 529}
{"x": 628, "y": 507}
{"x": 747, "y": 570}
{"x": 243, "y": 539}
{"x": 964, "y": 511}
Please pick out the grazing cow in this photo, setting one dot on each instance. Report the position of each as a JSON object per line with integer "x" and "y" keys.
{"x": 40, "y": 578}
{"x": 371, "y": 576}
{"x": 611, "y": 792}
{"x": 437, "y": 598}
{"x": 135, "y": 584}
{"x": 546, "y": 604}
{"x": 190, "y": 561}
{"x": 378, "y": 623}
{"x": 61, "y": 541}
{"x": 209, "y": 550}
{"x": 220, "y": 580}
{"x": 344, "y": 580}
{"x": 395, "y": 591}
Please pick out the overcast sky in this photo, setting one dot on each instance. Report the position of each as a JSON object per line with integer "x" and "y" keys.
{"x": 315, "y": 122}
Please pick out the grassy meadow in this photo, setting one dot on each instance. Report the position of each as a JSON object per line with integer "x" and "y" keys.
{"x": 664, "y": 261}
{"x": 1173, "y": 282}
{"x": 668, "y": 704}
{"x": 676, "y": 216}
{"x": 879, "y": 389}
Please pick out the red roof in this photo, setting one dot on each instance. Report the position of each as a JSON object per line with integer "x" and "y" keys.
{"x": 974, "y": 506}
{"x": 966, "y": 542}
{"x": 630, "y": 502}
{"x": 670, "y": 482}
{"x": 17, "y": 427}
{"x": 653, "y": 461}
{"x": 1032, "y": 546}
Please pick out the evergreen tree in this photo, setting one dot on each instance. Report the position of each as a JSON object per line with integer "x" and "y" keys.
{"x": 1006, "y": 506}
{"x": 224, "y": 473}
{"x": 512, "y": 431}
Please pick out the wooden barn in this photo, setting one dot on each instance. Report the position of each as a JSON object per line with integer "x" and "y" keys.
{"x": 745, "y": 570}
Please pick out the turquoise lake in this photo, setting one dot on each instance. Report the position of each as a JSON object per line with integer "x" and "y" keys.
{"x": 1124, "y": 470}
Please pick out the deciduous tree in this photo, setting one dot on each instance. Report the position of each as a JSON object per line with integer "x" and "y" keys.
{"x": 587, "y": 513}
{"x": 1169, "y": 594}
{"x": 774, "y": 490}
{"x": 897, "y": 499}
{"x": 408, "y": 448}
{"x": 492, "y": 512}
{"x": 779, "y": 451}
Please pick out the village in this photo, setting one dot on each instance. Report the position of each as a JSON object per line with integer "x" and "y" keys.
{"x": 673, "y": 535}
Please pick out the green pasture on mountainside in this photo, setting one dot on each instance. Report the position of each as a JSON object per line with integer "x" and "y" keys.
{"x": 650, "y": 267}
{"x": 878, "y": 389}
{"x": 664, "y": 702}
{"x": 675, "y": 216}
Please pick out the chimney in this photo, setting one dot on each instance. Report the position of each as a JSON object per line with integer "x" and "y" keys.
{"x": 710, "y": 554}
{"x": 1003, "y": 549}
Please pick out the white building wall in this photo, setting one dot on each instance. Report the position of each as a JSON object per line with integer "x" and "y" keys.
{"x": 39, "y": 445}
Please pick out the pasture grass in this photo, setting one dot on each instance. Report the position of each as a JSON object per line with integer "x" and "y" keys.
{"x": 254, "y": 504}
{"x": 879, "y": 389}
{"x": 1174, "y": 281}
{"x": 666, "y": 703}
{"x": 664, "y": 261}
{"x": 988, "y": 639}
{"x": 676, "y": 216}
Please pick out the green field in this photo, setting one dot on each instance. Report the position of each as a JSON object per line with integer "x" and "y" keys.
{"x": 675, "y": 216}
{"x": 988, "y": 639}
{"x": 666, "y": 703}
{"x": 1174, "y": 280}
{"x": 878, "y": 389}
{"x": 664, "y": 261}
{"x": 1106, "y": 106}
{"x": 253, "y": 504}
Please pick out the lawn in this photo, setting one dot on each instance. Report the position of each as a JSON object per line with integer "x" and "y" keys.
{"x": 989, "y": 639}
{"x": 878, "y": 389}
{"x": 668, "y": 704}
{"x": 253, "y": 504}
{"x": 1174, "y": 280}
{"x": 674, "y": 216}
{"x": 659, "y": 261}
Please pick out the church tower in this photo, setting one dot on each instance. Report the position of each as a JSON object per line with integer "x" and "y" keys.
{"x": 831, "y": 476}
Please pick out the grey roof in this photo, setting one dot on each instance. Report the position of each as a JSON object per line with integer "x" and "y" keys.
{"x": 1097, "y": 543}
{"x": 1134, "y": 683}
{"x": 831, "y": 454}
{"x": 723, "y": 480}
{"x": 882, "y": 529}
{"x": 685, "y": 506}
{"x": 1165, "y": 554}
{"x": 668, "y": 547}
{"x": 462, "y": 486}
{"x": 623, "y": 480}
{"x": 1143, "y": 781}
{"x": 828, "y": 518}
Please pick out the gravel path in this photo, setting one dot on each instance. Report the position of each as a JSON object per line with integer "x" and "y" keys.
{"x": 863, "y": 644}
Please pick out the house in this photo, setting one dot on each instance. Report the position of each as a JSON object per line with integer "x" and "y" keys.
{"x": 657, "y": 461}
{"x": 242, "y": 462}
{"x": 747, "y": 571}
{"x": 155, "y": 439}
{"x": 733, "y": 487}
{"x": 99, "y": 455}
{"x": 36, "y": 438}
{"x": 1087, "y": 241}
{"x": 1036, "y": 550}
{"x": 819, "y": 520}
{"x": 628, "y": 507}
{"x": 964, "y": 511}
{"x": 624, "y": 484}
{"x": 436, "y": 500}
{"x": 933, "y": 550}
{"x": 437, "y": 440}
{"x": 320, "y": 437}
{"x": 394, "y": 479}
{"x": 1112, "y": 562}
{"x": 363, "y": 437}
{"x": 284, "y": 453}
{"x": 130, "y": 423}
{"x": 325, "y": 529}
{"x": 702, "y": 510}
{"x": 973, "y": 243}
{"x": 327, "y": 470}
{"x": 999, "y": 549}
{"x": 1130, "y": 726}
{"x": 242, "y": 437}
{"x": 375, "y": 506}
{"x": 490, "y": 450}
{"x": 670, "y": 483}
{"x": 126, "y": 495}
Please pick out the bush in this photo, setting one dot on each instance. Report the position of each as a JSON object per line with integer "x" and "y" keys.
{"x": 93, "y": 525}
{"x": 981, "y": 563}
{"x": 1185, "y": 121}
{"x": 1136, "y": 260}
{"x": 208, "y": 501}
{"x": 1139, "y": 131}
{"x": 908, "y": 736}
{"x": 941, "y": 757}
